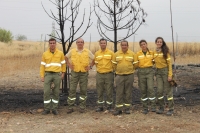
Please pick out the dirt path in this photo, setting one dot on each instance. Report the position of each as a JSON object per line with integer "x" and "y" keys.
{"x": 185, "y": 120}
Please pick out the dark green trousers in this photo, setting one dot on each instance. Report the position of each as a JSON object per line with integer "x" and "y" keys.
{"x": 146, "y": 85}
{"x": 104, "y": 84}
{"x": 51, "y": 96}
{"x": 82, "y": 79}
{"x": 164, "y": 88}
{"x": 124, "y": 85}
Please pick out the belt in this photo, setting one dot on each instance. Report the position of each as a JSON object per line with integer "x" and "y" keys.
{"x": 104, "y": 73}
{"x": 124, "y": 74}
{"x": 145, "y": 67}
{"x": 51, "y": 72}
{"x": 161, "y": 68}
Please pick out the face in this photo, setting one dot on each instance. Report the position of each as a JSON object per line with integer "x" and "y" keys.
{"x": 103, "y": 44}
{"x": 159, "y": 43}
{"x": 80, "y": 43}
{"x": 143, "y": 45}
{"x": 124, "y": 46}
{"x": 52, "y": 45}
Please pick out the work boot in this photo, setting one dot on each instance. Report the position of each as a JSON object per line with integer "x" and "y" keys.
{"x": 45, "y": 112}
{"x": 127, "y": 111}
{"x": 55, "y": 112}
{"x": 108, "y": 108}
{"x": 117, "y": 112}
{"x": 145, "y": 111}
{"x": 82, "y": 110}
{"x": 153, "y": 109}
{"x": 99, "y": 109}
{"x": 160, "y": 111}
{"x": 170, "y": 112}
{"x": 69, "y": 111}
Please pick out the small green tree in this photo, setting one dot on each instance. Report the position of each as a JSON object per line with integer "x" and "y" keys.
{"x": 5, "y": 36}
{"x": 20, "y": 37}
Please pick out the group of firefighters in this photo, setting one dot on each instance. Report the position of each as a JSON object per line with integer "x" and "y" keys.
{"x": 111, "y": 67}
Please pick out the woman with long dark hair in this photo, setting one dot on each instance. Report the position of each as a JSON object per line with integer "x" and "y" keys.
{"x": 163, "y": 76}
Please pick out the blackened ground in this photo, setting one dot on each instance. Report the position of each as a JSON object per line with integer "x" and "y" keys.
{"x": 25, "y": 100}
{"x": 12, "y": 100}
{"x": 187, "y": 93}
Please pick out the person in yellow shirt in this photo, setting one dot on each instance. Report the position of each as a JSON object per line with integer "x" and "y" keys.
{"x": 52, "y": 70}
{"x": 78, "y": 60}
{"x": 124, "y": 68}
{"x": 163, "y": 76}
{"x": 105, "y": 76}
{"x": 146, "y": 77}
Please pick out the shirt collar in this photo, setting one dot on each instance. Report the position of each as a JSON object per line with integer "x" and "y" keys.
{"x": 54, "y": 51}
{"x": 104, "y": 50}
{"x": 81, "y": 50}
{"x": 143, "y": 52}
{"x": 123, "y": 52}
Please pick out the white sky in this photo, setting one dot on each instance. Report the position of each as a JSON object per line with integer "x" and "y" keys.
{"x": 27, "y": 17}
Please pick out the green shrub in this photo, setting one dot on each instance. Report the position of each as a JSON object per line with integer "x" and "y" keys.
{"x": 20, "y": 37}
{"x": 5, "y": 36}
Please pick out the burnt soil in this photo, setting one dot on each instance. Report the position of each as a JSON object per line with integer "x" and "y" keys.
{"x": 25, "y": 100}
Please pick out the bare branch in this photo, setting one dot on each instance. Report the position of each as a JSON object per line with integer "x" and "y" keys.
{"x": 124, "y": 15}
{"x": 54, "y": 37}
{"x": 53, "y": 2}
{"x": 47, "y": 12}
{"x": 103, "y": 35}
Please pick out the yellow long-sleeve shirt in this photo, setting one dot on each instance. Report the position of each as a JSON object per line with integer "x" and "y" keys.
{"x": 161, "y": 62}
{"x": 53, "y": 62}
{"x": 124, "y": 62}
{"x": 144, "y": 61}
{"x": 104, "y": 61}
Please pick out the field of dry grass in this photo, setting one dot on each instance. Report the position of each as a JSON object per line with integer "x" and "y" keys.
{"x": 27, "y": 55}
{"x": 21, "y": 59}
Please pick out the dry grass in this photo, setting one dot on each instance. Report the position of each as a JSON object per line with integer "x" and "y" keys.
{"x": 24, "y": 55}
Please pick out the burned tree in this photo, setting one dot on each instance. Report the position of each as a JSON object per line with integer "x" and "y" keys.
{"x": 68, "y": 12}
{"x": 121, "y": 15}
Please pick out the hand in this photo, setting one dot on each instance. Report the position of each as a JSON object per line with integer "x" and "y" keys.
{"x": 42, "y": 79}
{"x": 87, "y": 68}
{"x": 153, "y": 61}
{"x": 71, "y": 66}
{"x": 169, "y": 78}
{"x": 62, "y": 76}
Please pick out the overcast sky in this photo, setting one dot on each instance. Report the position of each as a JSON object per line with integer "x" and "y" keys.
{"x": 27, "y": 17}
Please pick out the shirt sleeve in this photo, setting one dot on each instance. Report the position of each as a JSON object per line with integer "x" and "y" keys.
{"x": 42, "y": 66}
{"x": 63, "y": 67}
{"x": 169, "y": 64}
{"x": 68, "y": 55}
{"x": 114, "y": 61}
{"x": 95, "y": 55}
